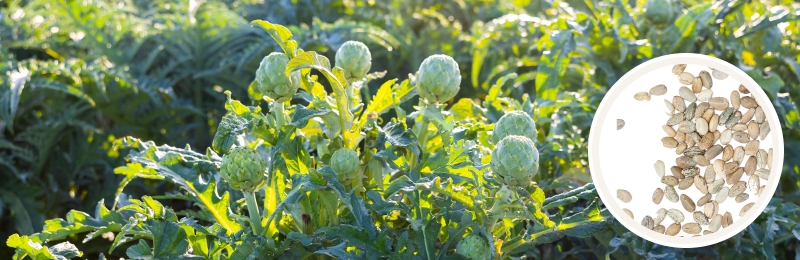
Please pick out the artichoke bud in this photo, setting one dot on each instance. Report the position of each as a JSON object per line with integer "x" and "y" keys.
{"x": 272, "y": 79}
{"x": 658, "y": 12}
{"x": 356, "y": 60}
{"x": 514, "y": 123}
{"x": 345, "y": 163}
{"x": 515, "y": 159}
{"x": 474, "y": 247}
{"x": 438, "y": 78}
{"x": 243, "y": 168}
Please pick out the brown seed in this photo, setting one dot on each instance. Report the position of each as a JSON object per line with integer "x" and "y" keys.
{"x": 700, "y": 184}
{"x": 686, "y": 126}
{"x": 738, "y": 154}
{"x": 685, "y": 183}
{"x": 750, "y": 165}
{"x": 715, "y": 186}
{"x": 675, "y": 214}
{"x": 624, "y": 195}
{"x": 676, "y": 171}
{"x": 708, "y": 114}
{"x": 681, "y": 148}
{"x": 669, "y": 130}
{"x": 691, "y": 140}
{"x": 718, "y": 103}
{"x": 658, "y": 195}
{"x": 697, "y": 85}
{"x": 705, "y": 77}
{"x": 751, "y": 148}
{"x": 704, "y": 95}
{"x": 754, "y": 183}
{"x": 707, "y": 141}
{"x": 731, "y": 167}
{"x": 687, "y": 203}
{"x": 749, "y": 102}
{"x": 671, "y": 194}
{"x": 718, "y": 74}
{"x": 642, "y": 96}
{"x": 760, "y": 116}
{"x": 648, "y": 222}
{"x": 753, "y": 129}
{"x": 700, "y": 109}
{"x": 713, "y": 151}
{"x": 685, "y": 78}
{"x": 764, "y": 131}
{"x": 727, "y": 220}
{"x": 715, "y": 223}
{"x": 713, "y": 122}
{"x": 722, "y": 195}
{"x": 742, "y": 197}
{"x": 659, "y": 229}
{"x": 747, "y": 116}
{"x": 735, "y": 100}
{"x": 669, "y": 142}
{"x": 701, "y": 160}
{"x": 692, "y": 151}
{"x": 761, "y": 190}
{"x": 700, "y": 218}
{"x": 658, "y": 90}
{"x": 687, "y": 94}
{"x": 628, "y": 212}
{"x": 738, "y": 188}
{"x": 727, "y": 153}
{"x": 688, "y": 114}
{"x": 692, "y": 228}
{"x": 685, "y": 162}
{"x": 675, "y": 119}
{"x": 746, "y": 208}
{"x": 742, "y": 88}
{"x": 673, "y": 229}
{"x": 680, "y": 137}
{"x": 739, "y": 127}
{"x": 719, "y": 167}
{"x": 703, "y": 200}
{"x": 710, "y": 209}
{"x": 769, "y": 158}
{"x": 740, "y": 137}
{"x": 678, "y": 68}
{"x": 736, "y": 176}
{"x": 707, "y": 232}
{"x": 669, "y": 180}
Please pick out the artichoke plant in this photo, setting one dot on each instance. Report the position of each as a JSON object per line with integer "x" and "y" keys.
{"x": 515, "y": 159}
{"x": 658, "y": 12}
{"x": 345, "y": 163}
{"x": 356, "y": 60}
{"x": 514, "y": 123}
{"x": 438, "y": 78}
{"x": 474, "y": 247}
{"x": 243, "y": 168}
{"x": 272, "y": 80}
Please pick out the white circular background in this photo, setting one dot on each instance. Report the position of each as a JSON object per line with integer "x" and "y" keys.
{"x": 623, "y": 159}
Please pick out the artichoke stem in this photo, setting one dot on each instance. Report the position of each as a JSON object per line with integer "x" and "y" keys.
{"x": 279, "y": 113}
{"x": 423, "y": 133}
{"x": 252, "y": 209}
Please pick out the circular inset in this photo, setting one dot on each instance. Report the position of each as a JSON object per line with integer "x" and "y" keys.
{"x": 666, "y": 127}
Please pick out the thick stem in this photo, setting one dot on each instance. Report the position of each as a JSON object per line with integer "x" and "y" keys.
{"x": 279, "y": 116}
{"x": 252, "y": 210}
{"x": 423, "y": 133}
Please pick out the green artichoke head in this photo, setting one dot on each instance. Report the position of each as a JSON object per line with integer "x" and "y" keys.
{"x": 356, "y": 60}
{"x": 244, "y": 169}
{"x": 658, "y": 12}
{"x": 438, "y": 78}
{"x": 514, "y": 123}
{"x": 474, "y": 247}
{"x": 345, "y": 163}
{"x": 272, "y": 80}
{"x": 515, "y": 159}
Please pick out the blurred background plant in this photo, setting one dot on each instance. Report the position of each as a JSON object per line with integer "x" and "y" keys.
{"x": 76, "y": 75}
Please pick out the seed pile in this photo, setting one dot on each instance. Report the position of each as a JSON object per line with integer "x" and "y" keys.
{"x": 716, "y": 140}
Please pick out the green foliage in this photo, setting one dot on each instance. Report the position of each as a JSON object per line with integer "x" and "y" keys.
{"x": 79, "y": 74}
